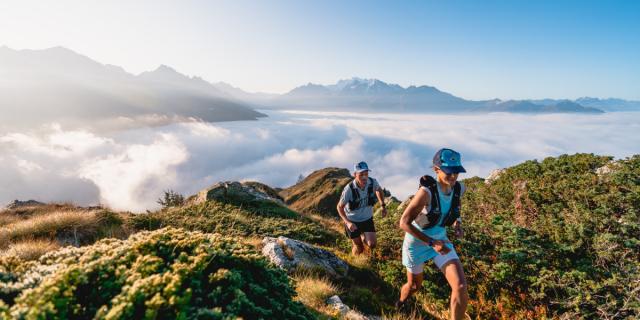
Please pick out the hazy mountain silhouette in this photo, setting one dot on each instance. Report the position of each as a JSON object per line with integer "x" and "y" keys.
{"x": 58, "y": 84}
{"x": 358, "y": 94}
{"x": 607, "y": 105}
{"x": 525, "y": 106}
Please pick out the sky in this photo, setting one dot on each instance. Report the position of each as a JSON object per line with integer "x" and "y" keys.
{"x": 130, "y": 169}
{"x": 472, "y": 49}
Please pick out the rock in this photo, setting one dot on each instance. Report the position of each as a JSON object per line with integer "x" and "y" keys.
{"x": 236, "y": 191}
{"x": 261, "y": 187}
{"x": 607, "y": 169}
{"x": 346, "y": 312}
{"x": 388, "y": 201}
{"x": 495, "y": 174}
{"x": 19, "y": 204}
{"x": 289, "y": 255}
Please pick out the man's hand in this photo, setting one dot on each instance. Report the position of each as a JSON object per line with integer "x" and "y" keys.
{"x": 457, "y": 228}
{"x": 440, "y": 247}
{"x": 351, "y": 226}
{"x": 383, "y": 213}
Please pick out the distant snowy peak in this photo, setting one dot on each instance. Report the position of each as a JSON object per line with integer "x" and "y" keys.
{"x": 364, "y": 86}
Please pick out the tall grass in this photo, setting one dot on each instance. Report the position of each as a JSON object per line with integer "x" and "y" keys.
{"x": 31, "y": 249}
{"x": 313, "y": 292}
{"x": 71, "y": 224}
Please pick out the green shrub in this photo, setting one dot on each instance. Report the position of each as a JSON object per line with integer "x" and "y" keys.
{"x": 555, "y": 236}
{"x": 164, "y": 274}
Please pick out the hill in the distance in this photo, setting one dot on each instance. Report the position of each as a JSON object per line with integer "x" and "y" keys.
{"x": 373, "y": 95}
{"x": 58, "y": 84}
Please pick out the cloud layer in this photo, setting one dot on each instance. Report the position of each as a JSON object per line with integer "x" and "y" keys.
{"x": 129, "y": 169}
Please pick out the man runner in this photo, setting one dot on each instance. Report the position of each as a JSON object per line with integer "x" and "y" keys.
{"x": 356, "y": 208}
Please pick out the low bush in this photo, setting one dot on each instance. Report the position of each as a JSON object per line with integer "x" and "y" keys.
{"x": 164, "y": 274}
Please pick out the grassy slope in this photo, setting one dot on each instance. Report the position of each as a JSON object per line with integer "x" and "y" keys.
{"x": 318, "y": 193}
{"x": 546, "y": 239}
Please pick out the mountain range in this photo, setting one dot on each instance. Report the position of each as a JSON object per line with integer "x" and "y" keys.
{"x": 54, "y": 83}
{"x": 47, "y": 85}
{"x": 358, "y": 94}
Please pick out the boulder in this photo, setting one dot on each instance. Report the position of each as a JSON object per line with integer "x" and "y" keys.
{"x": 495, "y": 174}
{"x": 236, "y": 191}
{"x": 20, "y": 204}
{"x": 265, "y": 189}
{"x": 346, "y": 312}
{"x": 290, "y": 255}
{"x": 388, "y": 200}
{"x": 607, "y": 169}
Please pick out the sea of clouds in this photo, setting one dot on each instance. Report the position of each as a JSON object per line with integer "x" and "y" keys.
{"x": 128, "y": 169}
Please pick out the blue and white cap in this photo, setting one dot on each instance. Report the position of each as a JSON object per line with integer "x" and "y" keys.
{"x": 360, "y": 167}
{"x": 448, "y": 161}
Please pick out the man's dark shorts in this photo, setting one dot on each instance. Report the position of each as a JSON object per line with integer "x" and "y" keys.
{"x": 364, "y": 226}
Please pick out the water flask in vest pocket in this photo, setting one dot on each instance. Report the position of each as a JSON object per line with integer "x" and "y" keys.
{"x": 427, "y": 220}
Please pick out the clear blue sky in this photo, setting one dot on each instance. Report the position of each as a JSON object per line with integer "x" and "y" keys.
{"x": 473, "y": 49}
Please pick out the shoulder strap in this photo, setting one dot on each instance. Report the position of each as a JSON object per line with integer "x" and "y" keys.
{"x": 454, "y": 211}
{"x": 371, "y": 196}
{"x": 355, "y": 197}
{"x": 430, "y": 183}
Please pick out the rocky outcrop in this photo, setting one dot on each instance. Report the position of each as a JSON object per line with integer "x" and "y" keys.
{"x": 290, "y": 255}
{"x": 347, "y": 313}
{"x": 388, "y": 200}
{"x": 261, "y": 187}
{"x": 607, "y": 169}
{"x": 495, "y": 174}
{"x": 319, "y": 192}
{"x": 20, "y": 204}
{"x": 236, "y": 191}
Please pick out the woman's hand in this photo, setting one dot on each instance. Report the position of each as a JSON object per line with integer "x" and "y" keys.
{"x": 457, "y": 229}
{"x": 351, "y": 226}
{"x": 440, "y": 247}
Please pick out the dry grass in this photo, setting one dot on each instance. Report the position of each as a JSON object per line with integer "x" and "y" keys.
{"x": 313, "y": 292}
{"x": 255, "y": 242}
{"x": 288, "y": 252}
{"x": 76, "y": 223}
{"x": 361, "y": 261}
{"x": 328, "y": 223}
{"x": 7, "y": 218}
{"x": 27, "y": 211}
{"x": 31, "y": 249}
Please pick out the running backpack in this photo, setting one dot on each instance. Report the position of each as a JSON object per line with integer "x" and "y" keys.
{"x": 355, "y": 201}
{"x": 431, "y": 218}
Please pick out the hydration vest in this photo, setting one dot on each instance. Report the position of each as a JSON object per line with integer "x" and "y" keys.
{"x": 433, "y": 216}
{"x": 355, "y": 201}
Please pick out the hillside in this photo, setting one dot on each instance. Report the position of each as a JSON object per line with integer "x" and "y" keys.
{"x": 319, "y": 192}
{"x": 556, "y": 238}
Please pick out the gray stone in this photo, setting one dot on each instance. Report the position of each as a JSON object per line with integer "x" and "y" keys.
{"x": 233, "y": 190}
{"x": 607, "y": 169}
{"x": 291, "y": 255}
{"x": 19, "y": 204}
{"x": 495, "y": 174}
{"x": 346, "y": 312}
